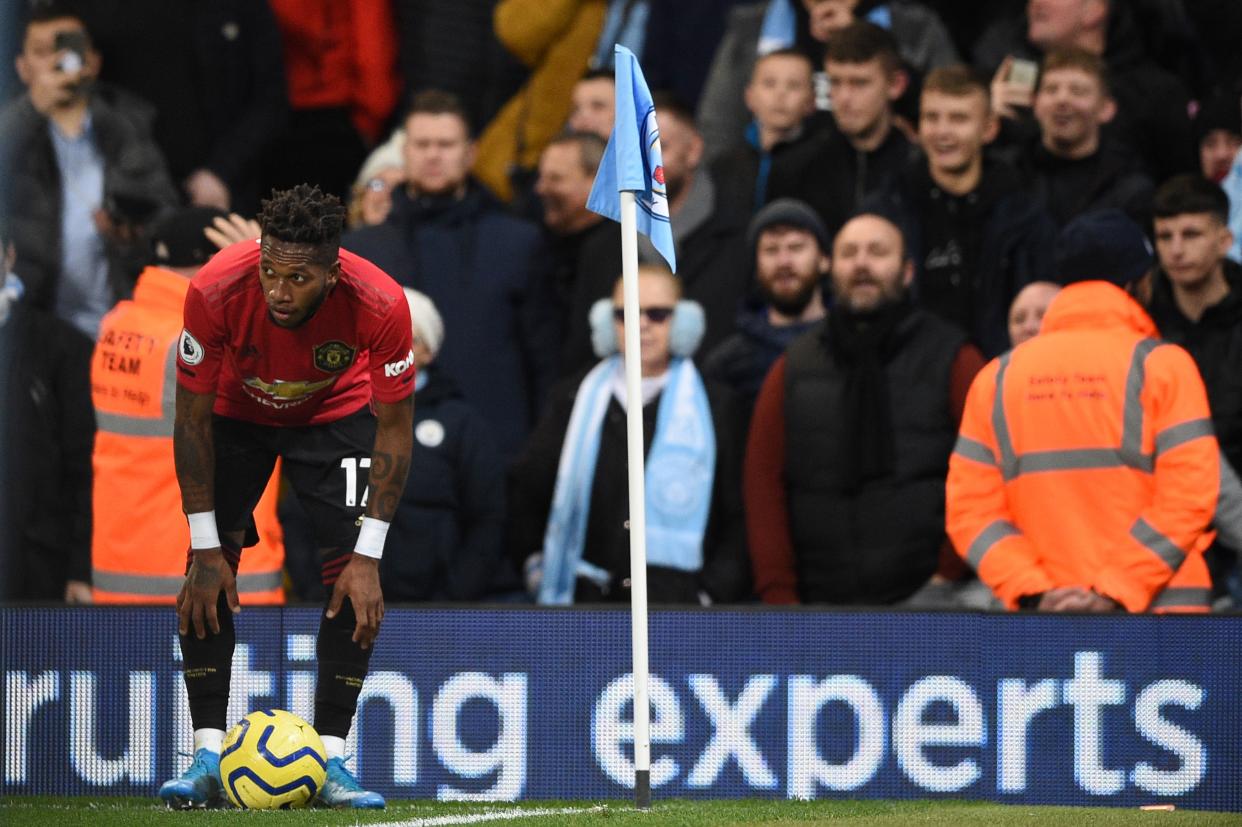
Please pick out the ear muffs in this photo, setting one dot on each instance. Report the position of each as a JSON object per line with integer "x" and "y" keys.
{"x": 685, "y": 333}
{"x": 689, "y": 324}
{"x": 603, "y": 334}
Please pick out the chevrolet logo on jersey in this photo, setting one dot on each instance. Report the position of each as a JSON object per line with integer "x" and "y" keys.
{"x": 282, "y": 393}
{"x": 334, "y": 357}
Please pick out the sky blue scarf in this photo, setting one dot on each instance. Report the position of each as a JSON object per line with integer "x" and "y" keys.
{"x": 679, "y": 473}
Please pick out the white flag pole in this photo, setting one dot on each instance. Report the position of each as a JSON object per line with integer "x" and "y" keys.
{"x": 638, "y": 502}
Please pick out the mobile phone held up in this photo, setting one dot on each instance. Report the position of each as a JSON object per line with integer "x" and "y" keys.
{"x": 1023, "y": 73}
{"x": 70, "y": 50}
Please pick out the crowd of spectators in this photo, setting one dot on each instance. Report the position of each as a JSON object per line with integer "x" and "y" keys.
{"x": 870, "y": 201}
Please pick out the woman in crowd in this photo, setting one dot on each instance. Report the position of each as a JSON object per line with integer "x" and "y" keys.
{"x": 568, "y": 494}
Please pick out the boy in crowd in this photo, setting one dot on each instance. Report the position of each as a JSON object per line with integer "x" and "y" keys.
{"x": 834, "y": 172}
{"x": 780, "y": 95}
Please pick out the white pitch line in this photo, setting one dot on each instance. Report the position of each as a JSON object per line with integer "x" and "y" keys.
{"x": 493, "y": 815}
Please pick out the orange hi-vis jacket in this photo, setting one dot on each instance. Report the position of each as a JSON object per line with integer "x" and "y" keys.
{"x": 1086, "y": 457}
{"x": 140, "y": 535}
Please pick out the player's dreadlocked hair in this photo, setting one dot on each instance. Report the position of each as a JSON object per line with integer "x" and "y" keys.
{"x": 304, "y": 215}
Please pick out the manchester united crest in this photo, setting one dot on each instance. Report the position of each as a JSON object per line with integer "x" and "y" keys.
{"x": 334, "y": 357}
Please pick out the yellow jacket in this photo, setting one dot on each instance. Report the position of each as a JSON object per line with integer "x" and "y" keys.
{"x": 556, "y": 39}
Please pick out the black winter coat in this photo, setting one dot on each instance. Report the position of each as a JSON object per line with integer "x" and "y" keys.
{"x": 1108, "y": 178}
{"x": 587, "y": 265}
{"x": 135, "y": 179}
{"x": 744, "y": 175}
{"x": 743, "y": 360}
{"x": 714, "y": 265}
{"x": 832, "y": 176}
{"x": 47, "y": 433}
{"x": 1215, "y": 343}
{"x": 874, "y": 540}
{"x": 445, "y": 540}
{"x": 452, "y": 45}
{"x": 1016, "y": 249}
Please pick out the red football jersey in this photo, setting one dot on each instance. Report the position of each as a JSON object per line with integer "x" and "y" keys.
{"x": 357, "y": 345}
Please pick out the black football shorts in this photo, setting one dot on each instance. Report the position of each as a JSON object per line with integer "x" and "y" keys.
{"x": 325, "y": 465}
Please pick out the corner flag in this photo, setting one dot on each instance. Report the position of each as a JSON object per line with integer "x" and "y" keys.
{"x": 632, "y": 161}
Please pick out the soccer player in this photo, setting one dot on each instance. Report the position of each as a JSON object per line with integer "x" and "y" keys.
{"x": 292, "y": 348}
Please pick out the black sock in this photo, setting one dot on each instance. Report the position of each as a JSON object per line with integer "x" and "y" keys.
{"x": 208, "y": 667}
{"x": 342, "y": 669}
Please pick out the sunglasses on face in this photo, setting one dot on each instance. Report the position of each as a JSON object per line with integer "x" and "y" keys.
{"x": 658, "y": 315}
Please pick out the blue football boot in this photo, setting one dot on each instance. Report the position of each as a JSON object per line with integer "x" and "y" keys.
{"x": 198, "y": 786}
{"x": 341, "y": 789}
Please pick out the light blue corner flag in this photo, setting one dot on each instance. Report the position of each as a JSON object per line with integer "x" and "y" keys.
{"x": 632, "y": 161}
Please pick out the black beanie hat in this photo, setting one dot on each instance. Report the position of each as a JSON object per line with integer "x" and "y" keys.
{"x": 789, "y": 212}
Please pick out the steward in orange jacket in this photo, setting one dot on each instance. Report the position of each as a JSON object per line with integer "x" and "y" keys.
{"x": 139, "y": 535}
{"x": 1086, "y": 465}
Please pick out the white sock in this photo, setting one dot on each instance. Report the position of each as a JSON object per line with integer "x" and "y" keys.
{"x": 335, "y": 747}
{"x": 212, "y": 739}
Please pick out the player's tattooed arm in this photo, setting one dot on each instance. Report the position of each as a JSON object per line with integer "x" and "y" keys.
{"x": 390, "y": 458}
{"x": 390, "y": 461}
{"x": 193, "y": 450}
{"x": 194, "y": 457}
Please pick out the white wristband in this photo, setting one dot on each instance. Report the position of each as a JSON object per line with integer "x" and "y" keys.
{"x": 203, "y": 534}
{"x": 371, "y": 538}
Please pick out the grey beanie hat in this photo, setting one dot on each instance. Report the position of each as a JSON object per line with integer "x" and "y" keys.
{"x": 789, "y": 212}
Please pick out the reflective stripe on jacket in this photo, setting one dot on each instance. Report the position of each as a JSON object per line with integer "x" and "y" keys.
{"x": 139, "y": 534}
{"x": 1086, "y": 458}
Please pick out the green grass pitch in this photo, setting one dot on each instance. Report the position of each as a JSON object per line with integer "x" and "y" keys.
{"x": 130, "y": 812}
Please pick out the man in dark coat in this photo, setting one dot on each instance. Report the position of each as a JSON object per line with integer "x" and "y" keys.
{"x": 848, "y": 508}
{"x": 486, "y": 271}
{"x": 790, "y": 249}
{"x": 1072, "y": 167}
{"x": 1152, "y": 104}
{"x": 79, "y": 174}
{"x": 975, "y": 236}
{"x": 1196, "y": 302}
{"x": 586, "y": 247}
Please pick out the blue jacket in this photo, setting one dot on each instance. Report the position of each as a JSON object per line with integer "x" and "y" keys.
{"x": 445, "y": 540}
{"x": 742, "y": 360}
{"x": 488, "y": 274}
